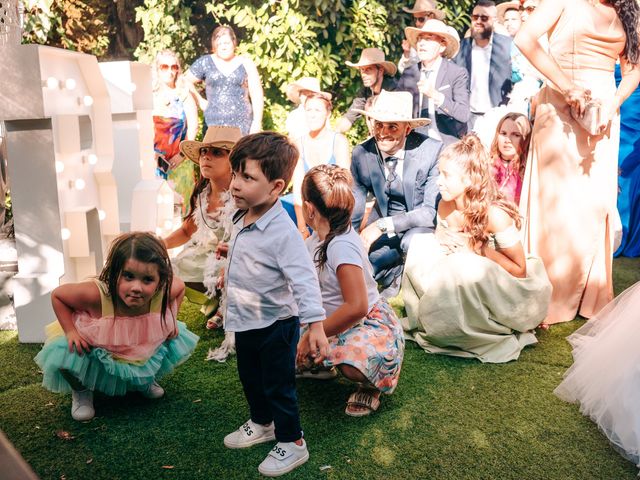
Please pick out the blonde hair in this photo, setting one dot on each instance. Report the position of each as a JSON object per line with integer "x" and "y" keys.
{"x": 180, "y": 81}
{"x": 482, "y": 192}
{"x": 328, "y": 189}
{"x": 520, "y": 161}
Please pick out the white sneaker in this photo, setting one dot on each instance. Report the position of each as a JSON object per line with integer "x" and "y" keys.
{"x": 153, "y": 391}
{"x": 82, "y": 405}
{"x": 283, "y": 458}
{"x": 250, "y": 434}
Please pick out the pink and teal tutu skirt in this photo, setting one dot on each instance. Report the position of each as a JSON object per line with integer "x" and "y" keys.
{"x": 101, "y": 371}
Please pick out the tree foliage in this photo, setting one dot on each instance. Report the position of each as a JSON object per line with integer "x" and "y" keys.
{"x": 287, "y": 39}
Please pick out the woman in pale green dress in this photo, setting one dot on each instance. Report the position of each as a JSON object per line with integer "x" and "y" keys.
{"x": 468, "y": 289}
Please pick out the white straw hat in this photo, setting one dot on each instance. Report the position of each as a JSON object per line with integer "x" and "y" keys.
{"x": 503, "y": 7}
{"x": 448, "y": 34}
{"x": 216, "y": 136}
{"x": 424, "y": 6}
{"x": 304, "y": 84}
{"x": 394, "y": 107}
{"x": 374, "y": 56}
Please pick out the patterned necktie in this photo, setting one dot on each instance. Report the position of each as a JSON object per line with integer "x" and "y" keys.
{"x": 391, "y": 163}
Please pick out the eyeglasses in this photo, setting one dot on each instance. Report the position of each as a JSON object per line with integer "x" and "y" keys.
{"x": 174, "y": 68}
{"x": 483, "y": 18}
{"x": 215, "y": 151}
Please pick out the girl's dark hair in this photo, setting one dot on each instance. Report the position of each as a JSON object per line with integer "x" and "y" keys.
{"x": 143, "y": 247}
{"x": 629, "y": 14}
{"x": 328, "y": 188}
{"x": 200, "y": 187}
{"x": 519, "y": 163}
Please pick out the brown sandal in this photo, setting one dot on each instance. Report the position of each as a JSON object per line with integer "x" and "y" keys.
{"x": 362, "y": 398}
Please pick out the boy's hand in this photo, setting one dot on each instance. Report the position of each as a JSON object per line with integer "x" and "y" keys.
{"x": 77, "y": 342}
{"x": 318, "y": 343}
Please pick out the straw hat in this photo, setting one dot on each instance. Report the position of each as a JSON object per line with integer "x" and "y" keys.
{"x": 216, "y": 136}
{"x": 394, "y": 107}
{"x": 448, "y": 34}
{"x": 423, "y": 6}
{"x": 374, "y": 56}
{"x": 310, "y": 84}
{"x": 503, "y": 7}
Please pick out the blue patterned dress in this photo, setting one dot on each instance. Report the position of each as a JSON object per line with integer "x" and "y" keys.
{"x": 228, "y": 95}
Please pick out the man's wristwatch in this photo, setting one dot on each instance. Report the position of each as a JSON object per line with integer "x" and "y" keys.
{"x": 382, "y": 225}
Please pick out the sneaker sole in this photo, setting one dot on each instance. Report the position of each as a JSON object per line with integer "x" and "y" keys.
{"x": 294, "y": 465}
{"x": 251, "y": 443}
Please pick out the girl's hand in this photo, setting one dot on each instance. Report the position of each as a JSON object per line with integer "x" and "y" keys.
{"x": 609, "y": 110}
{"x": 77, "y": 342}
{"x": 318, "y": 343}
{"x": 222, "y": 250}
{"x": 303, "y": 349}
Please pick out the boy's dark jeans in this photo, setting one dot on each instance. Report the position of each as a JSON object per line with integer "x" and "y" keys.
{"x": 266, "y": 366}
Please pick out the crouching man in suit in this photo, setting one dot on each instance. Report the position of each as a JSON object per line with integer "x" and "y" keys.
{"x": 399, "y": 167}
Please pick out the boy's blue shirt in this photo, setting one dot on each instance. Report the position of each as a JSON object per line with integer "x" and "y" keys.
{"x": 270, "y": 275}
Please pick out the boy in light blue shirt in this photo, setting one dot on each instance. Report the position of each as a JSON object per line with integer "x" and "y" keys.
{"x": 272, "y": 288}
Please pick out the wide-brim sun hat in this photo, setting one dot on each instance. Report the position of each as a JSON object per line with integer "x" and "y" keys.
{"x": 216, "y": 136}
{"x": 436, "y": 27}
{"x": 423, "y": 6}
{"x": 304, "y": 84}
{"x": 374, "y": 56}
{"x": 394, "y": 107}
{"x": 503, "y": 7}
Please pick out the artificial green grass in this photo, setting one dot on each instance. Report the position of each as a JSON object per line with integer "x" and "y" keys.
{"x": 449, "y": 418}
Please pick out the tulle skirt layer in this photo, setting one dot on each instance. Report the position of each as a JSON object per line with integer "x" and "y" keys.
{"x": 605, "y": 377}
{"x": 100, "y": 370}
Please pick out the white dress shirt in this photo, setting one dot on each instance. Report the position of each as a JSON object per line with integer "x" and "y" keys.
{"x": 432, "y": 105}
{"x": 270, "y": 276}
{"x": 388, "y": 221}
{"x": 479, "y": 98}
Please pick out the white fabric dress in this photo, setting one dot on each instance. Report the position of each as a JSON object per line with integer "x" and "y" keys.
{"x": 605, "y": 376}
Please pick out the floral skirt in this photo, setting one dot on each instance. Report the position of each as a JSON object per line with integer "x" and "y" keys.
{"x": 374, "y": 347}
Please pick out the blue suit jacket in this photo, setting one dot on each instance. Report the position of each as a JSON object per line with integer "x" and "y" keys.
{"x": 419, "y": 176}
{"x": 453, "y": 114}
{"x": 499, "y": 69}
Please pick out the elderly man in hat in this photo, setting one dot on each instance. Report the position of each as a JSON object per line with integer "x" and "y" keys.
{"x": 440, "y": 88}
{"x": 377, "y": 75}
{"x": 422, "y": 11}
{"x": 486, "y": 56}
{"x": 399, "y": 167}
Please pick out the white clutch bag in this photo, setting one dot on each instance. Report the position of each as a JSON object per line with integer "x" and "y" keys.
{"x": 591, "y": 118}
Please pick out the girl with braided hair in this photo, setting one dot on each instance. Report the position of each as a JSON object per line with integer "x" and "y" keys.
{"x": 366, "y": 342}
{"x": 468, "y": 289}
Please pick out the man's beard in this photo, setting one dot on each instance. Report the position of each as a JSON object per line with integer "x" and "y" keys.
{"x": 483, "y": 35}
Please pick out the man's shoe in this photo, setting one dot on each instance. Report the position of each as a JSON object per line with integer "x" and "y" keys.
{"x": 250, "y": 434}
{"x": 283, "y": 458}
{"x": 82, "y": 405}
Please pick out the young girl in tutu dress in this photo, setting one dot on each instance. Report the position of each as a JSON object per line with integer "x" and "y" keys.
{"x": 605, "y": 376}
{"x": 366, "y": 342}
{"x": 120, "y": 331}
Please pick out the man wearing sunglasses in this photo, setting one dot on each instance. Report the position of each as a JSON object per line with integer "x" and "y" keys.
{"x": 486, "y": 56}
{"x": 422, "y": 11}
